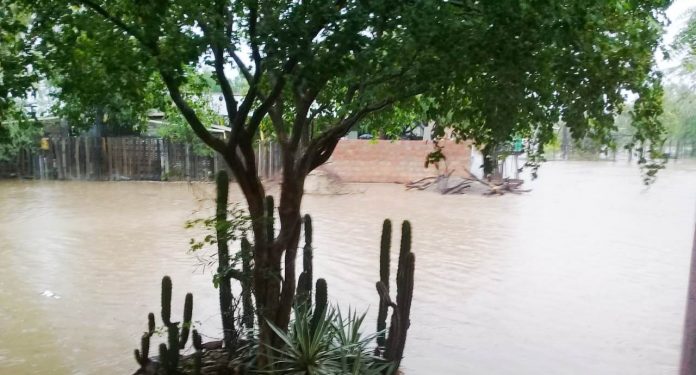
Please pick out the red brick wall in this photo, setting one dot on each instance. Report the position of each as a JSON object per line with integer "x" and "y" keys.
{"x": 392, "y": 161}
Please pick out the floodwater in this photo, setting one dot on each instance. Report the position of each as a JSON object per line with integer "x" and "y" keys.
{"x": 586, "y": 274}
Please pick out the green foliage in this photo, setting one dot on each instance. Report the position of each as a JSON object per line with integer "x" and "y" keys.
{"x": 685, "y": 43}
{"x": 16, "y": 55}
{"x": 17, "y": 132}
{"x": 334, "y": 346}
{"x": 198, "y": 92}
{"x": 235, "y": 227}
{"x": 680, "y": 113}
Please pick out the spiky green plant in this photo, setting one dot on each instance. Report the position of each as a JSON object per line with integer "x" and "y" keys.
{"x": 333, "y": 346}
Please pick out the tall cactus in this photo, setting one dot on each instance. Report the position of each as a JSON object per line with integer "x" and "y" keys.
{"x": 166, "y": 301}
{"x": 304, "y": 282}
{"x": 384, "y": 259}
{"x": 164, "y": 355}
{"x": 320, "y": 303}
{"x": 186, "y": 325}
{"x": 401, "y": 309}
{"x": 221, "y": 228}
{"x": 307, "y": 253}
{"x": 246, "y": 282}
{"x": 142, "y": 356}
{"x": 198, "y": 355}
{"x": 169, "y": 355}
{"x": 173, "y": 347}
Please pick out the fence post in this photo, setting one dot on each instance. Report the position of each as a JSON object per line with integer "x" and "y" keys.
{"x": 88, "y": 159}
{"x": 77, "y": 157}
{"x": 187, "y": 154}
{"x": 165, "y": 151}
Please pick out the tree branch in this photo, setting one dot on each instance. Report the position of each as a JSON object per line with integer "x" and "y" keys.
{"x": 320, "y": 149}
{"x": 190, "y": 115}
{"x": 227, "y": 93}
{"x": 219, "y": 55}
{"x": 302, "y": 106}
{"x": 245, "y": 71}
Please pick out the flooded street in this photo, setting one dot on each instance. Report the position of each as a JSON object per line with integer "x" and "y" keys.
{"x": 586, "y": 274}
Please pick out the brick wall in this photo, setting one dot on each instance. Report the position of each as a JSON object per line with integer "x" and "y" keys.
{"x": 392, "y": 161}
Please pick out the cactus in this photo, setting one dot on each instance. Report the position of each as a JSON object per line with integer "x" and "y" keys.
{"x": 304, "y": 282}
{"x": 384, "y": 259}
{"x": 173, "y": 347}
{"x": 270, "y": 219}
{"x": 401, "y": 309}
{"x": 320, "y": 303}
{"x": 225, "y": 287}
{"x": 163, "y": 354}
{"x": 198, "y": 355}
{"x": 186, "y": 325}
{"x": 247, "y": 302}
{"x": 151, "y": 323}
{"x": 166, "y": 300}
{"x": 404, "y": 250}
{"x": 307, "y": 254}
{"x": 302, "y": 297}
{"x": 169, "y": 355}
{"x": 142, "y": 356}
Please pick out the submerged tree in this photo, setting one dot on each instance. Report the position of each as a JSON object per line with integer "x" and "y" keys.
{"x": 316, "y": 69}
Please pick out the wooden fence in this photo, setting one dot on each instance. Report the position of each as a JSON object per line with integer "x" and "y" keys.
{"x": 126, "y": 158}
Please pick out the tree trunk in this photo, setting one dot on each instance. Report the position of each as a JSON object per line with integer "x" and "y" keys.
{"x": 489, "y": 159}
{"x": 274, "y": 258}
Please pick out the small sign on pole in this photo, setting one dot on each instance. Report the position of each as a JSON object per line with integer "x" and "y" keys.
{"x": 44, "y": 144}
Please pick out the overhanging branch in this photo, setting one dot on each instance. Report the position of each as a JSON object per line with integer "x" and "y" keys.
{"x": 191, "y": 116}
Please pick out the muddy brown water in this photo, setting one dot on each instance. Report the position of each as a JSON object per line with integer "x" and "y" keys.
{"x": 586, "y": 274}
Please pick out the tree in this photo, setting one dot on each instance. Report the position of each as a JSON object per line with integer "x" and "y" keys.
{"x": 685, "y": 43}
{"x": 316, "y": 69}
{"x": 105, "y": 88}
{"x": 680, "y": 114}
{"x": 570, "y": 62}
{"x": 16, "y": 77}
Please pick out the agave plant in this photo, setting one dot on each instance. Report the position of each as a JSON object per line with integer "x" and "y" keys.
{"x": 334, "y": 346}
{"x": 356, "y": 351}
